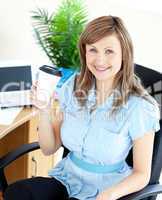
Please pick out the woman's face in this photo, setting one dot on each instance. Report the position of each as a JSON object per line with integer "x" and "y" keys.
{"x": 104, "y": 58}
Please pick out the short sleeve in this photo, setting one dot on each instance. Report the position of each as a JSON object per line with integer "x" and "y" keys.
{"x": 144, "y": 118}
{"x": 65, "y": 92}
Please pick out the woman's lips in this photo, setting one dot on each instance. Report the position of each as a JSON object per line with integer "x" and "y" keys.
{"x": 102, "y": 69}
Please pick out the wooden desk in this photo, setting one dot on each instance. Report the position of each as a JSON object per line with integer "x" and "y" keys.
{"x": 25, "y": 115}
{"x": 24, "y": 130}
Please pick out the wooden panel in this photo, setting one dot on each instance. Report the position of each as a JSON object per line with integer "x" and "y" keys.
{"x": 17, "y": 137}
{"x": 38, "y": 164}
{"x": 33, "y": 129}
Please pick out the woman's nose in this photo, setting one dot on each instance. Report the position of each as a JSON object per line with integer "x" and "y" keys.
{"x": 101, "y": 60}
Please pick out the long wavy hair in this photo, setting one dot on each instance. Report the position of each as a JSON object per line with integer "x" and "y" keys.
{"x": 125, "y": 80}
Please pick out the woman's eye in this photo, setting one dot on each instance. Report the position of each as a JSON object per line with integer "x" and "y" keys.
{"x": 109, "y": 51}
{"x": 92, "y": 50}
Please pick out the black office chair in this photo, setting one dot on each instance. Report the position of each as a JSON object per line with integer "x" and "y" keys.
{"x": 149, "y": 79}
{"x": 151, "y": 191}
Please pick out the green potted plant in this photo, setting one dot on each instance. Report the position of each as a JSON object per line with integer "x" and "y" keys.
{"x": 58, "y": 33}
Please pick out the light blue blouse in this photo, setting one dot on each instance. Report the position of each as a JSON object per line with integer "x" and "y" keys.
{"x": 99, "y": 139}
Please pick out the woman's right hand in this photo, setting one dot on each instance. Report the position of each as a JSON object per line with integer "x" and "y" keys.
{"x": 50, "y": 106}
{"x": 41, "y": 105}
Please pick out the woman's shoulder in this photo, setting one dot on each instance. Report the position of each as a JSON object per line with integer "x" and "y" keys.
{"x": 144, "y": 116}
{"x": 144, "y": 104}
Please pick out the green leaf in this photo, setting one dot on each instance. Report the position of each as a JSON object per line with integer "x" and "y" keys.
{"x": 58, "y": 34}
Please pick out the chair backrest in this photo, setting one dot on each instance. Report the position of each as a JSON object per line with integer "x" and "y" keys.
{"x": 149, "y": 78}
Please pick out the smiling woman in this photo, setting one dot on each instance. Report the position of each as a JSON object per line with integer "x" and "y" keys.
{"x": 96, "y": 167}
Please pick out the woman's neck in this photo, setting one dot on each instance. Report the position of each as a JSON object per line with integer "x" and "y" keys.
{"x": 103, "y": 87}
{"x": 103, "y": 91}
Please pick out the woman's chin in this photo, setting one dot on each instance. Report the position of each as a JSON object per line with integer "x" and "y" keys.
{"x": 103, "y": 78}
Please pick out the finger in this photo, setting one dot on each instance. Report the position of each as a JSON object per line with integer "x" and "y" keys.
{"x": 35, "y": 81}
{"x": 40, "y": 105}
{"x": 33, "y": 87}
{"x": 32, "y": 93}
{"x": 32, "y": 98}
{"x": 55, "y": 95}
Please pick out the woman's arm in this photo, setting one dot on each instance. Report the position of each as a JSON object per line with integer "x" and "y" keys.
{"x": 142, "y": 159}
{"x": 50, "y": 120}
{"x": 49, "y": 130}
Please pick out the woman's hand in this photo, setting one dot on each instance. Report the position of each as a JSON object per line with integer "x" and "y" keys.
{"x": 106, "y": 195}
{"x": 42, "y": 105}
{"x": 50, "y": 106}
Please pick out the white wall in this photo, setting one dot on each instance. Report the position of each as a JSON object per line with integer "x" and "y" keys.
{"x": 17, "y": 42}
{"x": 142, "y": 18}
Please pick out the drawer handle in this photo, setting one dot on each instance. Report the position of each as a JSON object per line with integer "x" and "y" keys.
{"x": 35, "y": 166}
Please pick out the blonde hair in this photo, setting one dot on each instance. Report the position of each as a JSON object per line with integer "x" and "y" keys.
{"x": 127, "y": 82}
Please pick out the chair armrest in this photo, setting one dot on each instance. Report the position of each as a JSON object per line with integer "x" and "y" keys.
{"x": 13, "y": 155}
{"x": 148, "y": 191}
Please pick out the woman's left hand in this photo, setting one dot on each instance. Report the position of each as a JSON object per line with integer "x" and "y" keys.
{"x": 106, "y": 195}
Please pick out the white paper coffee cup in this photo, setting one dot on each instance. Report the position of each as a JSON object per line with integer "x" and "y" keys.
{"x": 46, "y": 85}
